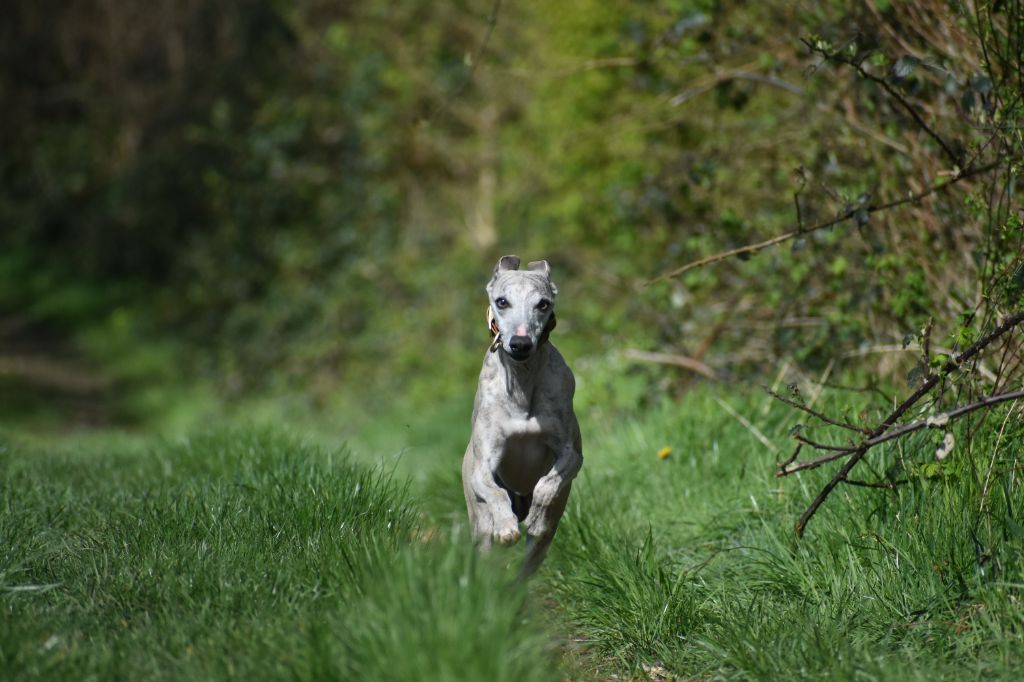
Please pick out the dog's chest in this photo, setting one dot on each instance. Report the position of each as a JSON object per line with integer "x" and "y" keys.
{"x": 525, "y": 459}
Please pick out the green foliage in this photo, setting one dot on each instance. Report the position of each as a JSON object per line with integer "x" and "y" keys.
{"x": 310, "y": 196}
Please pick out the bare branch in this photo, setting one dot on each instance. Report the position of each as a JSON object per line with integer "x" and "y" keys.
{"x": 947, "y": 416}
{"x": 887, "y": 485}
{"x": 792, "y": 466}
{"x": 814, "y": 413}
{"x": 670, "y": 359}
{"x": 743, "y": 73}
{"x": 951, "y": 365}
{"x": 845, "y": 449}
{"x": 791, "y": 458}
{"x": 492, "y": 21}
{"x": 842, "y": 217}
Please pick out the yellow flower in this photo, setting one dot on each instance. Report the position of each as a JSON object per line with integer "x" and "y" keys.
{"x": 664, "y": 452}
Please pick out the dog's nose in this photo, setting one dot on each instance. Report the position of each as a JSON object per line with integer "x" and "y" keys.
{"x": 520, "y": 346}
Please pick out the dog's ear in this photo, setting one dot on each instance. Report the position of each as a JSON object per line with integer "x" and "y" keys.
{"x": 540, "y": 266}
{"x": 543, "y": 268}
{"x": 507, "y": 263}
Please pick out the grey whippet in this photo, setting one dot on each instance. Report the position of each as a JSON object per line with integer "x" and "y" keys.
{"x": 525, "y": 447}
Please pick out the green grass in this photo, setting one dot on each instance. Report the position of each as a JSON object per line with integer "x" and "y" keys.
{"x": 692, "y": 562}
{"x": 251, "y": 554}
{"x": 245, "y": 555}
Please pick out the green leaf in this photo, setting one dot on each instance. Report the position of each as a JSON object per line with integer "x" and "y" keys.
{"x": 904, "y": 66}
{"x": 1014, "y": 528}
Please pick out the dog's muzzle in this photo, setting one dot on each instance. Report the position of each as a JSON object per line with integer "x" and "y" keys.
{"x": 520, "y": 347}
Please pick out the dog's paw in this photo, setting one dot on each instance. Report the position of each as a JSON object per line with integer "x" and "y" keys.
{"x": 506, "y": 536}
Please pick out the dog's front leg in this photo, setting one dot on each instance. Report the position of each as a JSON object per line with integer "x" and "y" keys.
{"x": 551, "y": 492}
{"x": 493, "y": 518}
{"x": 550, "y": 495}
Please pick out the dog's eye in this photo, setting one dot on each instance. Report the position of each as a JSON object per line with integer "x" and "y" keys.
{"x": 501, "y": 302}
{"x": 544, "y": 304}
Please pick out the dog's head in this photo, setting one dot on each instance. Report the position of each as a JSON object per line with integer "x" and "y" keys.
{"x": 523, "y": 305}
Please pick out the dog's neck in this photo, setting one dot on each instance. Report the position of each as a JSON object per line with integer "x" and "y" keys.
{"x": 521, "y": 378}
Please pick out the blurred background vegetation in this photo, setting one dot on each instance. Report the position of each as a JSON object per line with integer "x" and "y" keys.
{"x": 203, "y": 204}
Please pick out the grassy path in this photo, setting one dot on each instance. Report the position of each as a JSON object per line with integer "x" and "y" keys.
{"x": 251, "y": 555}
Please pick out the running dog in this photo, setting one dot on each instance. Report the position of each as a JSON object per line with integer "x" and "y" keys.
{"x": 525, "y": 449}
